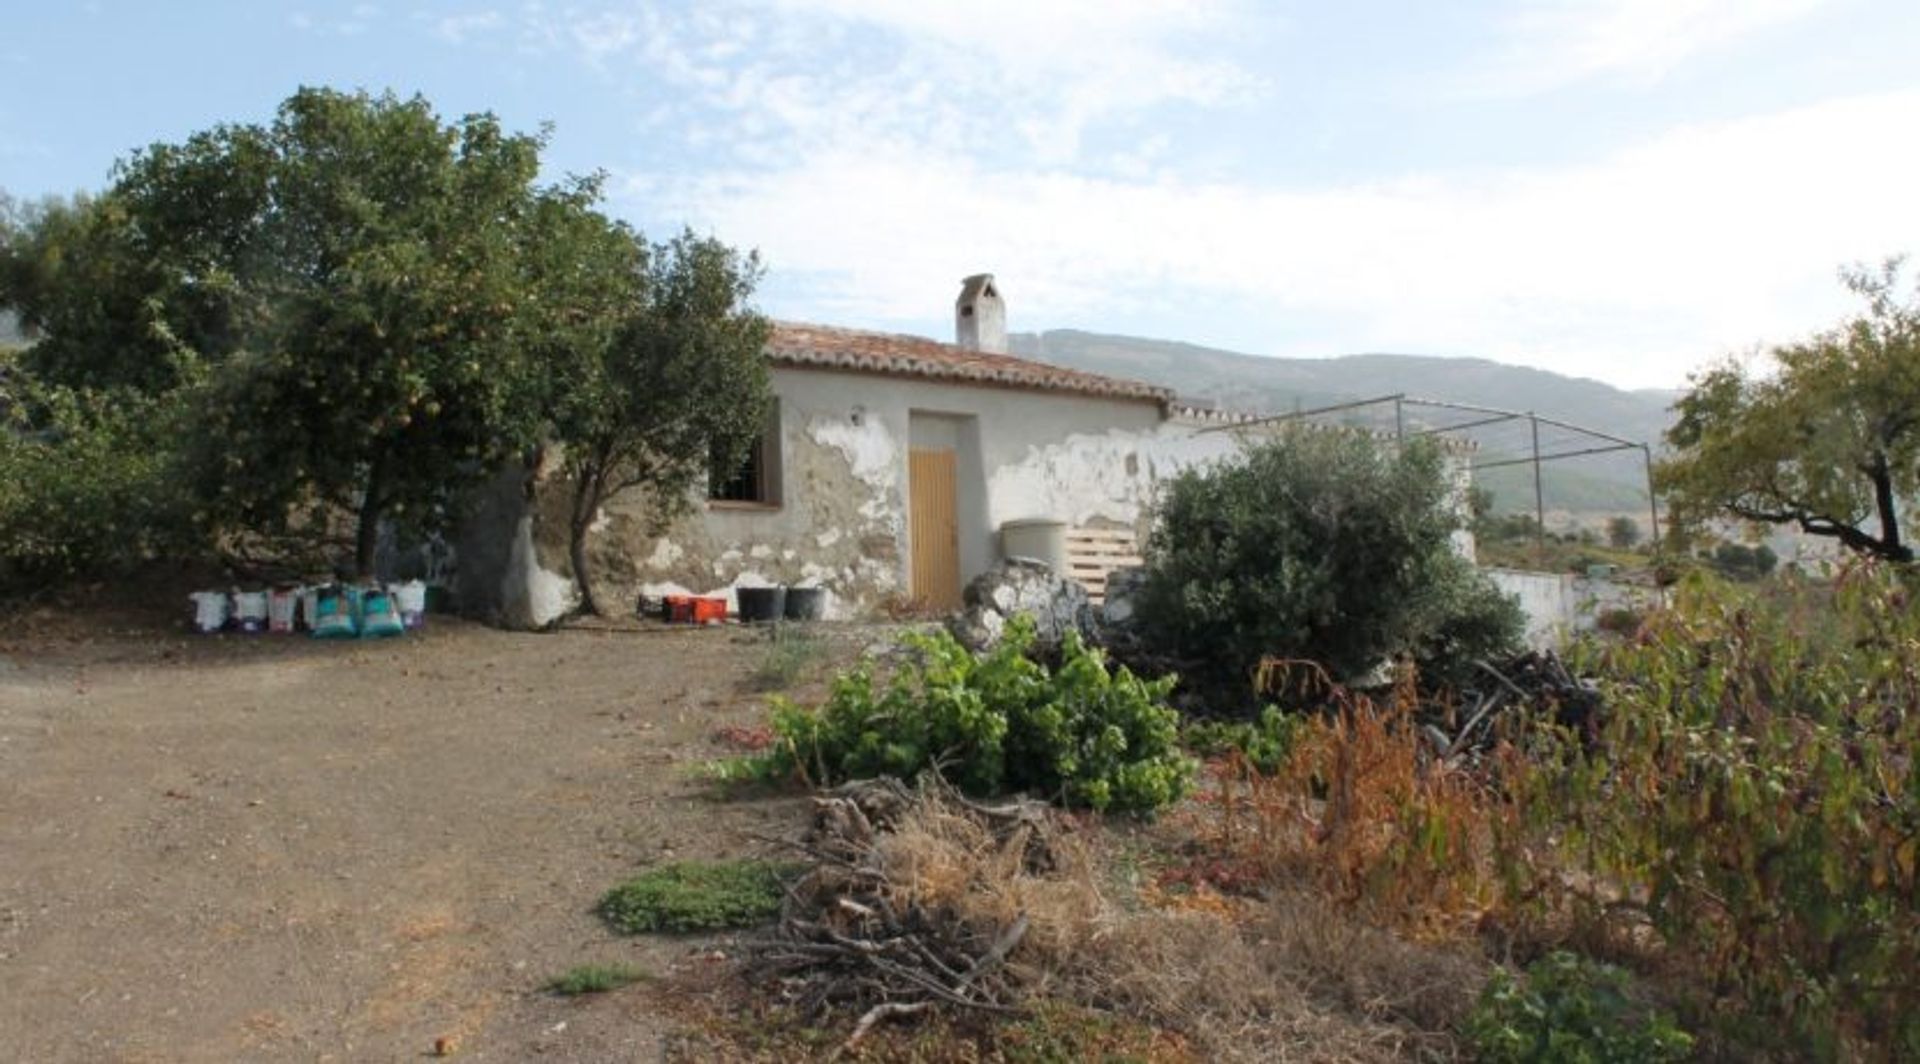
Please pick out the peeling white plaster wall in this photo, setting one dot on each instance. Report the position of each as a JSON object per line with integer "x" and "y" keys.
{"x": 874, "y": 455}
{"x": 1113, "y": 476}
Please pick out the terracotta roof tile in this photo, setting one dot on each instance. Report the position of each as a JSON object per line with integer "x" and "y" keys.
{"x": 830, "y": 347}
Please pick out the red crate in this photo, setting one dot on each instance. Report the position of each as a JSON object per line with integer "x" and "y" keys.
{"x": 692, "y": 609}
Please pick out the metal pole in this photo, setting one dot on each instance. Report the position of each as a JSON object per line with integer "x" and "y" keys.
{"x": 1467, "y": 425}
{"x": 1653, "y": 501}
{"x": 1399, "y": 421}
{"x": 1539, "y": 500}
{"x": 1557, "y": 455}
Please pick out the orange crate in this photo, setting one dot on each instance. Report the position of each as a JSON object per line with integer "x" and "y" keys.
{"x": 709, "y": 610}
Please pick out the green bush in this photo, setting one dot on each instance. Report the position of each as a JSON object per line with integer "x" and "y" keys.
{"x": 1325, "y": 545}
{"x": 697, "y": 896}
{"x": 1080, "y": 734}
{"x": 1755, "y": 786}
{"x": 86, "y": 484}
{"x": 1618, "y": 620}
{"x": 1265, "y": 743}
{"x": 1569, "y": 1010}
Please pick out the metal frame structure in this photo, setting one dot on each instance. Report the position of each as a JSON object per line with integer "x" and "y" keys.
{"x": 1488, "y": 416}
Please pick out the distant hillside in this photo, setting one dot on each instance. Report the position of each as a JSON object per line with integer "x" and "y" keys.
{"x": 1597, "y": 484}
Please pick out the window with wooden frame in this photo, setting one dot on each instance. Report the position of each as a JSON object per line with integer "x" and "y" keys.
{"x": 755, "y": 483}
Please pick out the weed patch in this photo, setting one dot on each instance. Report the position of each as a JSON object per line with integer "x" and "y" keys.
{"x": 697, "y": 896}
{"x": 790, "y": 654}
{"x": 1261, "y": 745}
{"x": 1570, "y": 1008}
{"x": 594, "y": 979}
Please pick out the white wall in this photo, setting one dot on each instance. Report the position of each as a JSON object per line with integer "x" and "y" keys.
{"x": 1559, "y": 605}
{"x": 842, "y": 519}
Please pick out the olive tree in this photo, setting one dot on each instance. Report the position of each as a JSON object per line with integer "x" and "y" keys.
{"x": 1825, "y": 438}
{"x": 663, "y": 379}
{"x": 1325, "y": 545}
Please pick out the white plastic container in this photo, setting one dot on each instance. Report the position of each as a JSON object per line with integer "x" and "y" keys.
{"x": 1041, "y": 539}
{"x": 209, "y": 611}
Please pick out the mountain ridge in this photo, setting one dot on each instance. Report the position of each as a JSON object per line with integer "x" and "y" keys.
{"x": 1250, "y": 383}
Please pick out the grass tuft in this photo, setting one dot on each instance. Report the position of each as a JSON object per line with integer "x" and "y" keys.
{"x": 595, "y": 979}
{"x": 697, "y": 896}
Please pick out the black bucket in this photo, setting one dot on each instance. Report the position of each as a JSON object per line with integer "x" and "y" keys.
{"x": 761, "y": 603}
{"x": 806, "y": 603}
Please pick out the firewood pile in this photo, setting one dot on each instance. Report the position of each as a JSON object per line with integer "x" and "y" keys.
{"x": 1533, "y": 687}
{"x": 870, "y": 928}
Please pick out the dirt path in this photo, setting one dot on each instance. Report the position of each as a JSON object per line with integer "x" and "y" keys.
{"x": 246, "y": 848}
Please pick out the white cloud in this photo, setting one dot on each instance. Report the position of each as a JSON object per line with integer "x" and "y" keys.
{"x": 457, "y": 29}
{"x": 1631, "y": 267}
{"x": 1548, "y": 45}
{"x": 994, "y": 74}
{"x": 356, "y": 20}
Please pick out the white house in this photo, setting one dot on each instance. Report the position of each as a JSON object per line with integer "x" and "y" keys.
{"x": 894, "y": 468}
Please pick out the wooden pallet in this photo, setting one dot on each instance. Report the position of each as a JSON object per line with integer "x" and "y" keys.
{"x": 1093, "y": 553}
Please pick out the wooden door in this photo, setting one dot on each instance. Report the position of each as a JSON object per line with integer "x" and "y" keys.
{"x": 934, "y": 526}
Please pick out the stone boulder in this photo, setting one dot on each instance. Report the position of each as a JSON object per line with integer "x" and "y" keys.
{"x": 1121, "y": 607}
{"x": 1016, "y": 586}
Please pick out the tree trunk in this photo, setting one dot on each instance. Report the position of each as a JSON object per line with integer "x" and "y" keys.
{"x": 367, "y": 536}
{"x": 1889, "y": 509}
{"x": 586, "y": 500}
{"x": 577, "y": 551}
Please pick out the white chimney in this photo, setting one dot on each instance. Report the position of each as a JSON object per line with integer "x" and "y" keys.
{"x": 979, "y": 318}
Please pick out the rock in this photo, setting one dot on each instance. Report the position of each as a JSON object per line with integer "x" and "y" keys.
{"x": 1016, "y": 586}
{"x": 1123, "y": 591}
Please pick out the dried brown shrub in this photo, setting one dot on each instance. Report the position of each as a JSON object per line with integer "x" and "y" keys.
{"x": 1291, "y": 977}
{"x": 1365, "y": 809}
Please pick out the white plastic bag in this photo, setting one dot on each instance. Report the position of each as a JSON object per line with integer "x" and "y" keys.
{"x": 209, "y": 611}
{"x": 410, "y": 599}
{"x": 250, "y": 611}
{"x": 282, "y": 604}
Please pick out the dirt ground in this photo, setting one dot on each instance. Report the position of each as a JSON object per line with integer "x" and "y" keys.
{"x": 233, "y": 847}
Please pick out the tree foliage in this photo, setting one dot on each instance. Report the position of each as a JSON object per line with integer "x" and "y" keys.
{"x": 1828, "y": 442}
{"x": 1753, "y": 790}
{"x": 357, "y": 311}
{"x": 85, "y": 482}
{"x": 1324, "y": 545}
{"x": 1622, "y": 532}
{"x": 655, "y": 368}
{"x": 383, "y": 373}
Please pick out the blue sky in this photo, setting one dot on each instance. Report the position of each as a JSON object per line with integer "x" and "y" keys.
{"x": 1621, "y": 189}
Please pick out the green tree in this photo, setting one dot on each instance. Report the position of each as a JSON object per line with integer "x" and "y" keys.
{"x": 1622, "y": 532}
{"x": 1828, "y": 443}
{"x": 1741, "y": 562}
{"x": 659, "y": 373}
{"x": 338, "y": 294}
{"x": 85, "y": 482}
{"x": 1324, "y": 545}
